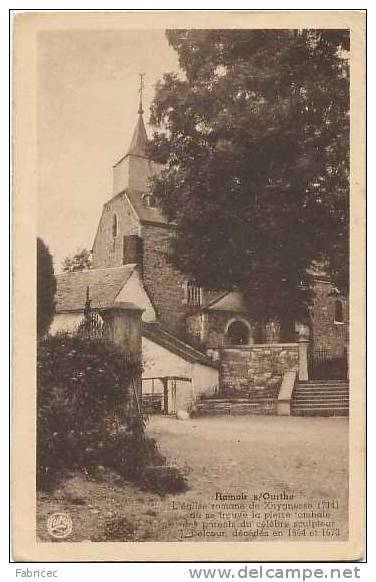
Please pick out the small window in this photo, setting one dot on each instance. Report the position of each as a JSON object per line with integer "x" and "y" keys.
{"x": 338, "y": 312}
{"x": 192, "y": 293}
{"x": 114, "y": 226}
{"x": 149, "y": 200}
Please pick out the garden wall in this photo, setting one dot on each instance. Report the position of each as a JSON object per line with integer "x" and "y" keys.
{"x": 257, "y": 370}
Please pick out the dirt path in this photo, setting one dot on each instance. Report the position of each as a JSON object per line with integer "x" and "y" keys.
{"x": 303, "y": 460}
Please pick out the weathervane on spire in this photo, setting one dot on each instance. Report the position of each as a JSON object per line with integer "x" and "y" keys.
{"x": 141, "y": 90}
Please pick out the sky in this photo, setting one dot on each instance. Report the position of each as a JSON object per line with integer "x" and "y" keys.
{"x": 88, "y": 96}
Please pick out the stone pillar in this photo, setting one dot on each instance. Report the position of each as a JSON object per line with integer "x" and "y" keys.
{"x": 303, "y": 358}
{"x": 123, "y": 327}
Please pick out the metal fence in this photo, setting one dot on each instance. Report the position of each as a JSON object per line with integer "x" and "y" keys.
{"x": 325, "y": 364}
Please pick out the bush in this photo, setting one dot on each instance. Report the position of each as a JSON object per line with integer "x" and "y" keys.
{"x": 83, "y": 419}
{"x": 164, "y": 479}
{"x": 128, "y": 452}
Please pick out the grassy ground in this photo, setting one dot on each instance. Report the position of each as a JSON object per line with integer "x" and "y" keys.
{"x": 306, "y": 458}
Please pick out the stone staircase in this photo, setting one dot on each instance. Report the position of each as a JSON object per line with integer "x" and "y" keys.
{"x": 320, "y": 398}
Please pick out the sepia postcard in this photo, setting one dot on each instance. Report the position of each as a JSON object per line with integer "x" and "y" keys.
{"x": 188, "y": 286}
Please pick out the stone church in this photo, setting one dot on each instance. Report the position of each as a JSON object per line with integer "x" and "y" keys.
{"x": 184, "y": 326}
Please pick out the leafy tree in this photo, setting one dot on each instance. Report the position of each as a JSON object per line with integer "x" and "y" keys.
{"x": 46, "y": 288}
{"x": 254, "y": 136}
{"x": 81, "y": 261}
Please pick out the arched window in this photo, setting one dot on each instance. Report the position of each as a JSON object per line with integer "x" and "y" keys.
{"x": 114, "y": 226}
{"x": 237, "y": 333}
{"x": 338, "y": 311}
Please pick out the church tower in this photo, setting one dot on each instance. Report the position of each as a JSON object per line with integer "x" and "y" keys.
{"x": 118, "y": 238}
{"x": 135, "y": 168}
{"x": 133, "y": 231}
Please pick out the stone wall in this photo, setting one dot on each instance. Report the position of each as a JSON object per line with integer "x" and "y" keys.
{"x": 108, "y": 250}
{"x": 163, "y": 283}
{"x": 256, "y": 371}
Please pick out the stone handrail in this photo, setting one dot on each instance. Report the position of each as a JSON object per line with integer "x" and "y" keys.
{"x": 285, "y": 394}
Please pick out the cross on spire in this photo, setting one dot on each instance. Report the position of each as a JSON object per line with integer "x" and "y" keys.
{"x": 141, "y": 90}
{"x": 139, "y": 139}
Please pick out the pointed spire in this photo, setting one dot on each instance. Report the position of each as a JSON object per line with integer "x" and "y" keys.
{"x": 140, "y": 138}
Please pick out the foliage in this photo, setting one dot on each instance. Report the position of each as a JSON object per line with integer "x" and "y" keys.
{"x": 165, "y": 479}
{"x": 46, "y": 288}
{"x": 254, "y": 136}
{"x": 119, "y": 529}
{"x": 130, "y": 457}
{"x": 83, "y": 418}
{"x": 81, "y": 261}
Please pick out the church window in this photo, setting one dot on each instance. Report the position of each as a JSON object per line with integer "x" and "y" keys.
{"x": 193, "y": 293}
{"x": 338, "y": 312}
{"x": 114, "y": 226}
{"x": 237, "y": 333}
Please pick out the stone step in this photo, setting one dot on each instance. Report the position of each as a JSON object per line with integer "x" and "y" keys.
{"x": 230, "y": 409}
{"x": 235, "y": 406}
{"x": 320, "y": 404}
{"x": 317, "y": 405}
{"x": 345, "y": 396}
{"x": 321, "y": 397}
{"x": 222, "y": 400}
{"x": 322, "y": 386}
{"x": 215, "y": 401}
{"x": 320, "y": 412}
{"x": 320, "y": 394}
{"x": 313, "y": 404}
{"x": 327, "y": 381}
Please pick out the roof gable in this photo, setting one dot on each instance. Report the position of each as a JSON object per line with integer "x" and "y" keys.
{"x": 228, "y": 301}
{"x": 104, "y": 286}
{"x": 145, "y": 213}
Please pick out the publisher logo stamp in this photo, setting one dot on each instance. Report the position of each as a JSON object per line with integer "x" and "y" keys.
{"x": 59, "y": 525}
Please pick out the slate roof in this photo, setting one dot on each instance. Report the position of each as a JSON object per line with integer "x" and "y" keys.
{"x": 227, "y": 301}
{"x": 104, "y": 286}
{"x": 145, "y": 213}
{"x": 155, "y": 333}
{"x": 139, "y": 139}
